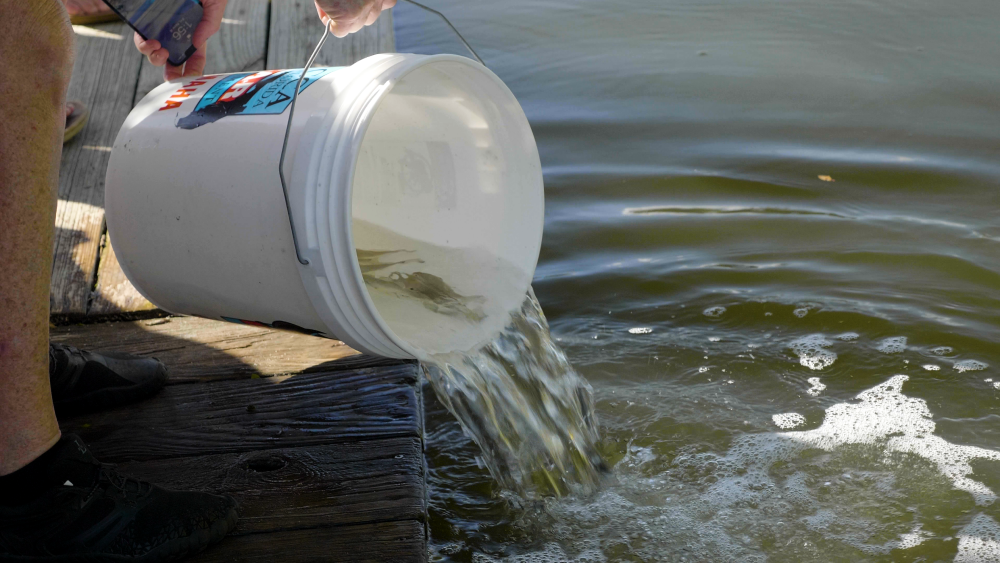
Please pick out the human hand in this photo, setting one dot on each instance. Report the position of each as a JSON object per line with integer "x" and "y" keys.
{"x": 195, "y": 65}
{"x": 347, "y": 16}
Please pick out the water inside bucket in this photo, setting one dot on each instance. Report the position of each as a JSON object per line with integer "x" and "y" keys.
{"x": 436, "y": 298}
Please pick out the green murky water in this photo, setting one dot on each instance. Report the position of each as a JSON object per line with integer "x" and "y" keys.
{"x": 772, "y": 247}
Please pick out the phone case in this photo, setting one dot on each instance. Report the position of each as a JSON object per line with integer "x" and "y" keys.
{"x": 171, "y": 22}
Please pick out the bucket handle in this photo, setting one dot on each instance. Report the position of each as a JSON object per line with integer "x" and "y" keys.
{"x": 291, "y": 112}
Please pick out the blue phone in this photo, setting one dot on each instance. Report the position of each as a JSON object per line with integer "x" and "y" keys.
{"x": 171, "y": 22}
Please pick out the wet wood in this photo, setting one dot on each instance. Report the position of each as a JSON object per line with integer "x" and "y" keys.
{"x": 278, "y": 412}
{"x": 196, "y": 349}
{"x": 295, "y": 30}
{"x": 295, "y": 488}
{"x": 104, "y": 78}
{"x": 385, "y": 542}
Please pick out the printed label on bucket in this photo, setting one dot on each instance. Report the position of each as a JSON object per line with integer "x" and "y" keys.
{"x": 250, "y": 93}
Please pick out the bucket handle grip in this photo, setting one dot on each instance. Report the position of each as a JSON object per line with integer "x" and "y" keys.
{"x": 291, "y": 112}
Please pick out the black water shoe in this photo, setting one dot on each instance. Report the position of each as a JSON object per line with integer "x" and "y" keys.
{"x": 65, "y": 506}
{"x": 87, "y": 381}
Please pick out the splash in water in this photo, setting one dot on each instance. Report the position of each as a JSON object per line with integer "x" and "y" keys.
{"x": 522, "y": 402}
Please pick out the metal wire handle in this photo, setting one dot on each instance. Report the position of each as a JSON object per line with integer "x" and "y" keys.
{"x": 291, "y": 113}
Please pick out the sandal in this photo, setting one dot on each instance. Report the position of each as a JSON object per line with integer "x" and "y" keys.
{"x": 76, "y": 119}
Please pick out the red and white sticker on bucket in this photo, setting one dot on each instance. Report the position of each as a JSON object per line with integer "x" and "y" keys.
{"x": 250, "y": 93}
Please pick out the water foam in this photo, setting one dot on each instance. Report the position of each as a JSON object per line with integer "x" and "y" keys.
{"x": 788, "y": 420}
{"x": 812, "y": 351}
{"x": 640, "y": 330}
{"x": 817, "y": 386}
{"x": 767, "y": 498}
{"x": 970, "y": 365}
{"x": 892, "y": 345}
{"x": 887, "y": 418}
{"x": 714, "y": 312}
{"x": 979, "y": 541}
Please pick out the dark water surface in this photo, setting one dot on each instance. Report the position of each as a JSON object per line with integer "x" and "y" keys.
{"x": 826, "y": 172}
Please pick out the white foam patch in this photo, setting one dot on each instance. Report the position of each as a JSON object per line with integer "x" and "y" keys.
{"x": 812, "y": 351}
{"x": 932, "y": 367}
{"x": 801, "y": 312}
{"x": 979, "y": 541}
{"x": 941, "y": 350}
{"x": 702, "y": 369}
{"x": 640, "y": 330}
{"x": 970, "y": 365}
{"x": 817, "y": 386}
{"x": 875, "y": 487}
{"x": 904, "y": 425}
{"x": 788, "y": 420}
{"x": 714, "y": 339}
{"x": 848, "y": 336}
{"x": 714, "y": 312}
{"x": 892, "y": 345}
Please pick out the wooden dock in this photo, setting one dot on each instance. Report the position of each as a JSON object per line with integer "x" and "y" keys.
{"x": 322, "y": 447}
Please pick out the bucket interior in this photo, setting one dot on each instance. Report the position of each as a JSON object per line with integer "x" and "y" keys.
{"x": 447, "y": 207}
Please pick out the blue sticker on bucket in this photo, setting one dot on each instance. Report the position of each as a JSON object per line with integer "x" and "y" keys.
{"x": 250, "y": 93}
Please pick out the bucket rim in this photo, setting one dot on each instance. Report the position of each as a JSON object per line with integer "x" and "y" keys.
{"x": 344, "y": 144}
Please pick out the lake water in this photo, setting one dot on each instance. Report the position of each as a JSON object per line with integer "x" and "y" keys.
{"x": 772, "y": 246}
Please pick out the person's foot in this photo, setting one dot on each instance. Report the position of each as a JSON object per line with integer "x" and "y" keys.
{"x": 77, "y": 115}
{"x": 66, "y": 506}
{"x": 88, "y": 12}
{"x": 86, "y": 381}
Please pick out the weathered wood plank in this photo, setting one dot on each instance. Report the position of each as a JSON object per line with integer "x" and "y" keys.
{"x": 114, "y": 293}
{"x": 104, "y": 78}
{"x": 295, "y": 30}
{"x": 386, "y": 542}
{"x": 196, "y": 349}
{"x": 240, "y": 45}
{"x": 276, "y": 412}
{"x": 296, "y": 488}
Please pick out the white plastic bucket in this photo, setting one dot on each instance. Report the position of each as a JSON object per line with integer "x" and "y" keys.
{"x": 424, "y": 166}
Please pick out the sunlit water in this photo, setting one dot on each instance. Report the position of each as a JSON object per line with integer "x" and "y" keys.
{"x": 772, "y": 247}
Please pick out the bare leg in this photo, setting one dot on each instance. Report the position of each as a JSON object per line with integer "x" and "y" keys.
{"x": 36, "y": 59}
